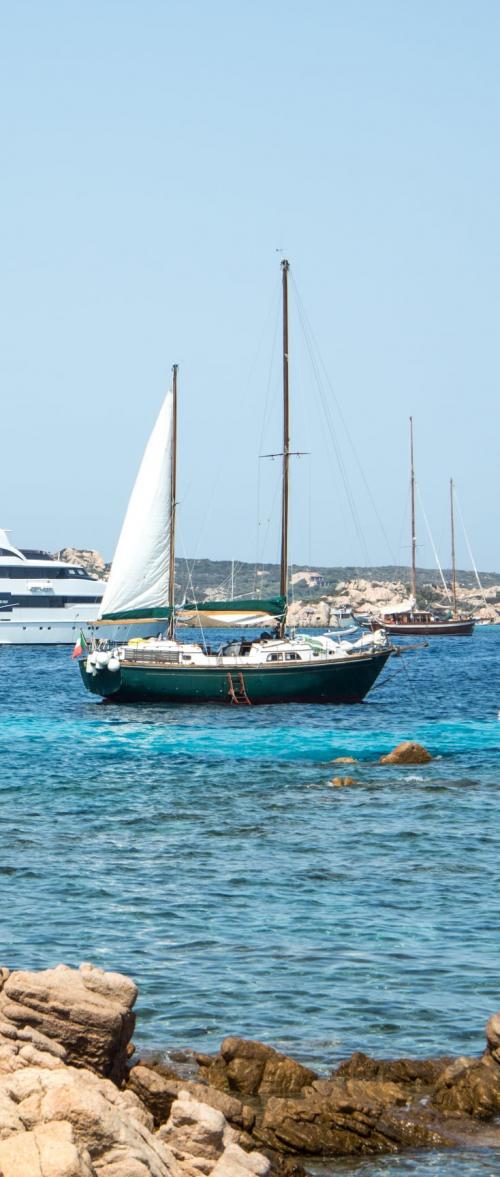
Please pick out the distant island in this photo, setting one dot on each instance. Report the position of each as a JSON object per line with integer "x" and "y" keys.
{"x": 315, "y": 593}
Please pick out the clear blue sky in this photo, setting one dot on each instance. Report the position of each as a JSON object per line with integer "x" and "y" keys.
{"x": 154, "y": 157}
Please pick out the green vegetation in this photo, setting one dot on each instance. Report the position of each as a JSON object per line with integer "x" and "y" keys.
{"x": 199, "y": 579}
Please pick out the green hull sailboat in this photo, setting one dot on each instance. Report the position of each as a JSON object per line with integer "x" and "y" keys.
{"x": 144, "y": 676}
{"x": 135, "y": 654}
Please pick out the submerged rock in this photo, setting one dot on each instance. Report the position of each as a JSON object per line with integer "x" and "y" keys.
{"x": 407, "y": 753}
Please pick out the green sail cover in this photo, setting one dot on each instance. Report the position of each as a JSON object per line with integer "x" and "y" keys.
{"x": 273, "y": 606}
{"x": 160, "y": 613}
{"x": 245, "y": 608}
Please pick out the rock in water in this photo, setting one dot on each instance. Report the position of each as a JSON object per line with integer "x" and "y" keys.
{"x": 251, "y": 1068}
{"x": 407, "y": 753}
{"x": 340, "y": 782}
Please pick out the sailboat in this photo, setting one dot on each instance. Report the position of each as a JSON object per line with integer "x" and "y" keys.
{"x": 154, "y": 666}
{"x": 406, "y": 619}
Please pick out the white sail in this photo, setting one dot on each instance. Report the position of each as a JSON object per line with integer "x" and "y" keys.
{"x": 139, "y": 572}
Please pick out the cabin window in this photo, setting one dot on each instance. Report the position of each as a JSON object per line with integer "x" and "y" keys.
{"x": 292, "y": 658}
{"x": 274, "y": 658}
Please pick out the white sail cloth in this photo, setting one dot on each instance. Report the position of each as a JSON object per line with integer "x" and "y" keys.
{"x": 219, "y": 619}
{"x": 398, "y": 607}
{"x": 139, "y": 572}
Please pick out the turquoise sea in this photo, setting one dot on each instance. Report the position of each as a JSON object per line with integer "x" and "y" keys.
{"x": 206, "y": 852}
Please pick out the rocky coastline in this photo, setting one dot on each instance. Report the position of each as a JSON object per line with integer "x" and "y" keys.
{"x": 75, "y": 1103}
{"x": 370, "y": 597}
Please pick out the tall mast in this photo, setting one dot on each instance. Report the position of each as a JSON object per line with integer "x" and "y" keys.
{"x": 173, "y": 504}
{"x": 453, "y": 567}
{"x": 285, "y": 266}
{"x": 413, "y": 524}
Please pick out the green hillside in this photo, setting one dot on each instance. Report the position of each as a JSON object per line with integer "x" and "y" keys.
{"x": 202, "y": 578}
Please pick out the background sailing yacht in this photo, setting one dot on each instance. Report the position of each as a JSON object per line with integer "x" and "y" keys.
{"x": 274, "y": 668}
{"x": 406, "y": 618}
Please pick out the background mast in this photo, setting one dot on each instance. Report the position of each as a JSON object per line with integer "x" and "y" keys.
{"x": 413, "y": 524}
{"x": 453, "y": 566}
{"x": 173, "y": 503}
{"x": 285, "y": 266}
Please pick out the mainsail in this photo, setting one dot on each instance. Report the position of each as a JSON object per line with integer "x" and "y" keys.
{"x": 138, "y": 582}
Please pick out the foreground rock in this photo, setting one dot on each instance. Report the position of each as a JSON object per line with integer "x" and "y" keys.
{"x": 64, "y": 1043}
{"x": 79, "y": 1016}
{"x": 367, "y": 1106}
{"x": 70, "y": 1106}
{"x": 407, "y": 753}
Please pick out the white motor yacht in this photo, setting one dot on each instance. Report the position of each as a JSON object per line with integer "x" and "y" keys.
{"x": 44, "y": 601}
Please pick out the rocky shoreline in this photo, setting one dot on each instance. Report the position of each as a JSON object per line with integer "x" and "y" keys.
{"x": 370, "y": 597}
{"x": 73, "y": 1103}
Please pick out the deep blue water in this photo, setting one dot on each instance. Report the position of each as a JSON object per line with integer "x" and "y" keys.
{"x": 205, "y": 852}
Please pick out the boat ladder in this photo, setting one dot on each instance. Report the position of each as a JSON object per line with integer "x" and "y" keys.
{"x": 238, "y": 692}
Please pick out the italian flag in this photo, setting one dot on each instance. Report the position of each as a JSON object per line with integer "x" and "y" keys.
{"x": 80, "y": 646}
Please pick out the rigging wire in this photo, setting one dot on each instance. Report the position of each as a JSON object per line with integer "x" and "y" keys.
{"x": 469, "y": 549}
{"x": 403, "y": 526}
{"x": 268, "y": 521}
{"x": 190, "y": 582}
{"x": 266, "y": 414}
{"x": 433, "y": 546}
{"x": 311, "y": 341}
{"x": 331, "y": 431}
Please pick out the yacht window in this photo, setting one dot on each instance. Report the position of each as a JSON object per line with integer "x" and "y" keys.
{"x": 292, "y": 658}
{"x": 274, "y": 658}
{"x": 26, "y": 571}
{"x": 50, "y": 601}
{"x": 62, "y": 573}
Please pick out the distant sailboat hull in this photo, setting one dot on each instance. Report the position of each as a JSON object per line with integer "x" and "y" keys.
{"x": 331, "y": 681}
{"x": 452, "y": 628}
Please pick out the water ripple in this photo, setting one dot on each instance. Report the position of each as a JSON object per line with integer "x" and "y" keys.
{"x": 206, "y": 852}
